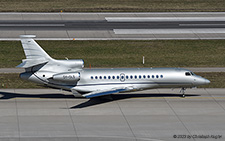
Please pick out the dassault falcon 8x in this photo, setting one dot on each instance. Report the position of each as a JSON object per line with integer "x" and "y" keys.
{"x": 71, "y": 75}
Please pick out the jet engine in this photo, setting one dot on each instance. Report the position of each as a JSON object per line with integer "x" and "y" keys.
{"x": 77, "y": 63}
{"x": 67, "y": 77}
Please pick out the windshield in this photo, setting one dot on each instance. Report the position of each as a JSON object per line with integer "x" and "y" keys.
{"x": 189, "y": 73}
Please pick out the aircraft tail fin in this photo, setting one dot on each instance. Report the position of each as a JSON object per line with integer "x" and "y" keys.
{"x": 35, "y": 55}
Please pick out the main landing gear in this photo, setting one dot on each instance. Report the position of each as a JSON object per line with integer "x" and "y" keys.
{"x": 182, "y": 91}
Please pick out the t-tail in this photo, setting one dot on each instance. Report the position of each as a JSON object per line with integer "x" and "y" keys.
{"x": 35, "y": 55}
{"x": 41, "y": 68}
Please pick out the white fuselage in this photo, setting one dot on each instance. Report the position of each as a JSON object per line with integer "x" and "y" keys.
{"x": 138, "y": 78}
{"x": 133, "y": 78}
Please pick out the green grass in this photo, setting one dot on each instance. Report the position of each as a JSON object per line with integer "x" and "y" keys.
{"x": 110, "y": 5}
{"x": 13, "y": 81}
{"x": 178, "y": 53}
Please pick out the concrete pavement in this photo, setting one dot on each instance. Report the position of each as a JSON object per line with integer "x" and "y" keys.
{"x": 153, "y": 115}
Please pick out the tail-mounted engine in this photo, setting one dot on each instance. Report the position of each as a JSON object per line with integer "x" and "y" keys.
{"x": 70, "y": 64}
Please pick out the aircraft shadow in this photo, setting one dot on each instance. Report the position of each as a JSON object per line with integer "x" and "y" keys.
{"x": 8, "y": 95}
{"x": 116, "y": 97}
{"x": 89, "y": 102}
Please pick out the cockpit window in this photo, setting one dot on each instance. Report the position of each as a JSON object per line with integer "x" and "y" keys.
{"x": 187, "y": 73}
{"x": 192, "y": 73}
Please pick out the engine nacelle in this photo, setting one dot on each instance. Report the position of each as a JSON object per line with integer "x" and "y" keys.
{"x": 78, "y": 63}
{"x": 67, "y": 77}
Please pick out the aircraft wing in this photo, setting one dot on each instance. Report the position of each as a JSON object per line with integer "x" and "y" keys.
{"x": 106, "y": 92}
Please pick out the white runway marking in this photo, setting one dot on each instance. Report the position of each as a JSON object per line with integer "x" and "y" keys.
{"x": 162, "y": 19}
{"x": 169, "y": 31}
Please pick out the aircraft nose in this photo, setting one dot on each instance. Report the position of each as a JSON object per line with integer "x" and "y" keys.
{"x": 207, "y": 81}
{"x": 201, "y": 81}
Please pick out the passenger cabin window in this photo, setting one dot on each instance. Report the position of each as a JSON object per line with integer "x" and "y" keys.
{"x": 135, "y": 76}
{"x": 187, "y": 73}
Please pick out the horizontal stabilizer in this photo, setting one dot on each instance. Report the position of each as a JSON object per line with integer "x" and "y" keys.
{"x": 26, "y": 63}
{"x": 103, "y": 92}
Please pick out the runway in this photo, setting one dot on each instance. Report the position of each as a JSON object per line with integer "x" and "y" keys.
{"x": 114, "y": 26}
{"x": 152, "y": 115}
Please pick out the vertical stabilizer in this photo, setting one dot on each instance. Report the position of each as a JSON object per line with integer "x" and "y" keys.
{"x": 31, "y": 49}
{"x": 35, "y": 55}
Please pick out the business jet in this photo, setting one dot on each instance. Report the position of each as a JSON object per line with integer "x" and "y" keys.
{"x": 71, "y": 75}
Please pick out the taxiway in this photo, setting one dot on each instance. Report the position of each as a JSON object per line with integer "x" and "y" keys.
{"x": 153, "y": 115}
{"x": 114, "y": 26}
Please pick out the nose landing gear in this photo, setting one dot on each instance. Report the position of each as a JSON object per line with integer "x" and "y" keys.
{"x": 182, "y": 91}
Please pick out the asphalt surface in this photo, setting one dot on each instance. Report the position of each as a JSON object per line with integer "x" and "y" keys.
{"x": 105, "y": 25}
{"x": 153, "y": 115}
{"x": 113, "y": 26}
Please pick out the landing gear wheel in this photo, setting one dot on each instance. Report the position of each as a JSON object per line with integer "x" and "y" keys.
{"x": 183, "y": 92}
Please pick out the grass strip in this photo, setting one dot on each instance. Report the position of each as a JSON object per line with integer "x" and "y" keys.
{"x": 111, "y": 5}
{"x": 162, "y": 53}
